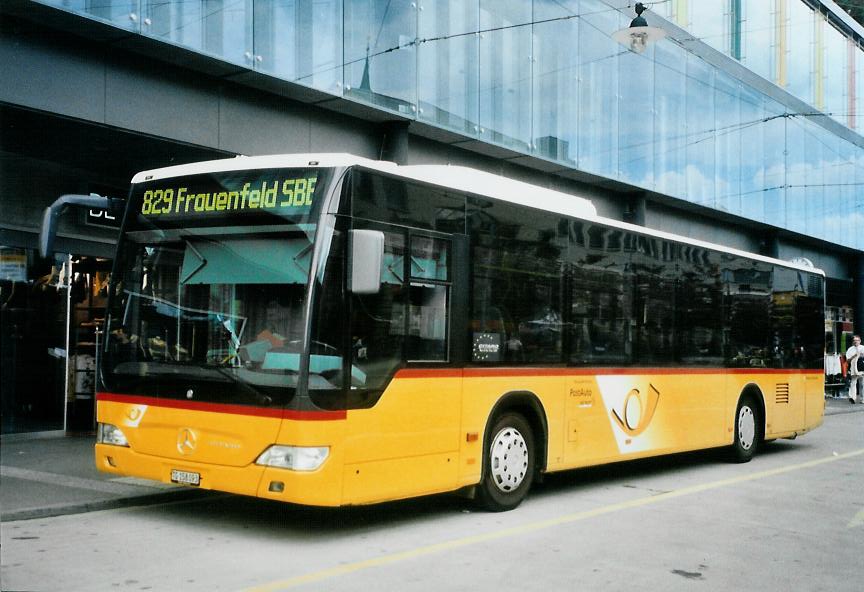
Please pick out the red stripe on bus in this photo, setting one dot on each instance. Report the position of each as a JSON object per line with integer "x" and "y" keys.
{"x": 524, "y": 372}
{"x": 223, "y": 408}
{"x": 429, "y": 373}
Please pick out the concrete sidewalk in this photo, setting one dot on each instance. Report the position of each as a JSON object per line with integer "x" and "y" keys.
{"x": 54, "y": 476}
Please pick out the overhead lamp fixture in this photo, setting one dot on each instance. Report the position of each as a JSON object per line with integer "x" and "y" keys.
{"x": 638, "y": 35}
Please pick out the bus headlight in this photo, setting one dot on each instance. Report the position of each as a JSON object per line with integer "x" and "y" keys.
{"x": 294, "y": 458}
{"x": 107, "y": 433}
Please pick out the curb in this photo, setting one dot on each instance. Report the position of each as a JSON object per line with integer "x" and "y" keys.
{"x": 148, "y": 499}
{"x": 857, "y": 408}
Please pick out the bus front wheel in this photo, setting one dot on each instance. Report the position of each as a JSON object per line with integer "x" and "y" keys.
{"x": 508, "y": 464}
{"x": 747, "y": 430}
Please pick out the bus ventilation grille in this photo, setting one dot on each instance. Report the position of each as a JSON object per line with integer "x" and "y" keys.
{"x": 781, "y": 393}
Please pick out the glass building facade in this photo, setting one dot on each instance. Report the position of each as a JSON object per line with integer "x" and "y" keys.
{"x": 544, "y": 78}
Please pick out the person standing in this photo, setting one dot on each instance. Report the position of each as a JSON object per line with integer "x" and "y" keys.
{"x": 855, "y": 355}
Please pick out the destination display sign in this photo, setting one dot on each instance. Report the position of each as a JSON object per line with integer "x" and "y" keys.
{"x": 284, "y": 192}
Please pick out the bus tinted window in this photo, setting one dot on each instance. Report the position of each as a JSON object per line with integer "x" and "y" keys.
{"x": 699, "y": 303}
{"x": 795, "y": 315}
{"x": 601, "y": 297}
{"x": 395, "y": 201}
{"x": 518, "y": 262}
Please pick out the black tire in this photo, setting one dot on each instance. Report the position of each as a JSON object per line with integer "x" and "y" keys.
{"x": 508, "y": 464}
{"x": 747, "y": 429}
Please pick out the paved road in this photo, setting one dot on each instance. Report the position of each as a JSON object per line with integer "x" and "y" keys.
{"x": 791, "y": 519}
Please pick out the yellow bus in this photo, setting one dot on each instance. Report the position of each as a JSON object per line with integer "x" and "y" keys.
{"x": 330, "y": 330}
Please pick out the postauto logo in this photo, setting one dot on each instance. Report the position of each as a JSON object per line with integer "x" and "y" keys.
{"x": 637, "y": 411}
{"x": 631, "y": 404}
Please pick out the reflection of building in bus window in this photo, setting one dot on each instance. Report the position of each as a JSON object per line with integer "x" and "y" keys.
{"x": 377, "y": 329}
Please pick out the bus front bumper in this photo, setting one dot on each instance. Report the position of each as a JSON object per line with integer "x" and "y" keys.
{"x": 322, "y": 487}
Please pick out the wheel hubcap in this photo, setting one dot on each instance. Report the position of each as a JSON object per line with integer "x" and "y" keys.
{"x": 508, "y": 459}
{"x": 746, "y": 428}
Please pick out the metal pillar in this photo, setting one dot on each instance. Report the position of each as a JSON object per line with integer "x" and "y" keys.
{"x": 858, "y": 292}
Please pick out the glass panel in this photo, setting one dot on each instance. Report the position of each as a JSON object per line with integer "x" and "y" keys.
{"x": 836, "y": 74}
{"x": 859, "y": 90}
{"x": 636, "y": 125}
{"x": 753, "y": 174}
{"x": 856, "y": 220}
{"x": 556, "y": 80}
{"x": 840, "y": 218}
{"x": 448, "y": 89}
{"x": 825, "y": 182}
{"x": 758, "y": 32}
{"x": 700, "y": 132}
{"x": 598, "y": 77}
{"x": 300, "y": 41}
{"x": 380, "y": 55}
{"x": 800, "y": 50}
{"x": 803, "y": 152}
{"x": 222, "y": 28}
{"x": 505, "y": 72}
{"x": 125, "y": 14}
{"x": 670, "y": 125}
{"x": 709, "y": 22}
{"x": 775, "y": 163}
{"x": 728, "y": 133}
{"x": 174, "y": 22}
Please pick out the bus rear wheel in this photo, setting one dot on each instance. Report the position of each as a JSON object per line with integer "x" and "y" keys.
{"x": 508, "y": 464}
{"x": 748, "y": 432}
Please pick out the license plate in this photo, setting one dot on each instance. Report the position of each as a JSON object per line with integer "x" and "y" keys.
{"x": 185, "y": 477}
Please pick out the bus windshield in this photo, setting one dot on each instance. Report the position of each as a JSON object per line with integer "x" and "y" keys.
{"x": 208, "y": 304}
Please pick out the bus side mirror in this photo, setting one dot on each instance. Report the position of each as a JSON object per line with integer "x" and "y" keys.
{"x": 49, "y": 219}
{"x": 365, "y": 258}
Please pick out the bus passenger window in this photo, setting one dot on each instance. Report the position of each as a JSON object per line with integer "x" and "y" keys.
{"x": 428, "y": 293}
{"x": 427, "y": 327}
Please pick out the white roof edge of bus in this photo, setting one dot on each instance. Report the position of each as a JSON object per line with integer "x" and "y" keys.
{"x": 458, "y": 177}
{"x": 704, "y": 244}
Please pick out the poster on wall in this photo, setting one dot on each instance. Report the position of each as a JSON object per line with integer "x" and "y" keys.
{"x": 13, "y": 264}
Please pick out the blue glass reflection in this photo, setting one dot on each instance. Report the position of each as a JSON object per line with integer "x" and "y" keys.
{"x": 300, "y": 41}
{"x": 380, "y": 53}
{"x": 544, "y": 77}
{"x": 700, "y": 131}
{"x": 670, "y": 125}
{"x": 556, "y": 80}
{"x": 448, "y": 60}
{"x": 125, "y": 14}
{"x": 598, "y": 89}
{"x": 505, "y": 73}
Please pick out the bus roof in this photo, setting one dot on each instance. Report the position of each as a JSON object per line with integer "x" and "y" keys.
{"x": 458, "y": 178}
